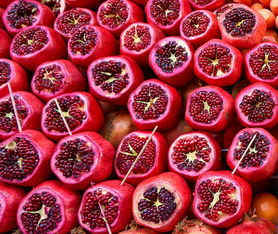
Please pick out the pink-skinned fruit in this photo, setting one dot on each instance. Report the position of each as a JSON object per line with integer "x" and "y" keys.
{"x": 5, "y": 42}
{"x": 57, "y": 6}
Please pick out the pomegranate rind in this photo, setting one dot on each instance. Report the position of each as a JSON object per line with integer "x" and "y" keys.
{"x": 84, "y": 3}
{"x": 263, "y": 171}
{"x": 5, "y": 44}
{"x": 212, "y": 5}
{"x": 244, "y": 197}
{"x": 213, "y": 164}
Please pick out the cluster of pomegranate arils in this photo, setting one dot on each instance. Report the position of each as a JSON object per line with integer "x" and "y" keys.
{"x": 117, "y": 110}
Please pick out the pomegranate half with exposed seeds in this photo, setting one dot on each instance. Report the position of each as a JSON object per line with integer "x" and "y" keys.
{"x": 221, "y": 199}
{"x": 242, "y": 27}
{"x": 81, "y": 159}
{"x": 57, "y": 6}
{"x": 161, "y": 201}
{"x": 69, "y": 21}
{"x": 116, "y": 207}
{"x": 89, "y": 43}
{"x": 10, "y": 197}
{"x": 48, "y": 208}
{"x": 35, "y": 45}
{"x": 138, "y": 39}
{"x": 171, "y": 59}
{"x": 261, "y": 63}
{"x": 261, "y": 160}
{"x": 154, "y": 103}
{"x": 209, "y": 108}
{"x": 25, "y": 158}
{"x": 29, "y": 109}
{"x": 220, "y": 11}
{"x": 199, "y": 26}
{"x": 194, "y": 153}
{"x": 206, "y": 4}
{"x": 257, "y": 106}
{"x": 57, "y": 77}
{"x": 24, "y": 13}
{"x": 151, "y": 162}
{"x": 116, "y": 15}
{"x": 167, "y": 15}
{"x": 13, "y": 73}
{"x": 112, "y": 79}
{"x": 218, "y": 63}
{"x": 5, "y": 41}
{"x": 81, "y": 111}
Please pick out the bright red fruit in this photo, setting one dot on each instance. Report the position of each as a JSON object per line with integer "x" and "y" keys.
{"x": 5, "y": 42}
{"x": 206, "y": 4}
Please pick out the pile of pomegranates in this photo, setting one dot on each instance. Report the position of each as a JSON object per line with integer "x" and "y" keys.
{"x": 139, "y": 116}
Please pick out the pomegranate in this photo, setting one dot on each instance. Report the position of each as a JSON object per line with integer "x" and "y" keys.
{"x": 57, "y": 6}
{"x": 219, "y": 11}
{"x": 113, "y": 79}
{"x": 154, "y": 103}
{"x": 242, "y": 27}
{"x": 138, "y": 39}
{"x": 141, "y": 2}
{"x": 254, "y": 225}
{"x": 89, "y": 43}
{"x": 5, "y": 41}
{"x": 57, "y": 77}
{"x": 48, "y": 208}
{"x": 69, "y": 21}
{"x": 84, "y": 3}
{"x": 257, "y": 106}
{"x": 23, "y": 13}
{"x": 206, "y": 4}
{"x": 116, "y": 15}
{"x": 25, "y": 158}
{"x": 1, "y": 21}
{"x": 260, "y": 161}
{"x": 230, "y": 131}
{"x": 218, "y": 63}
{"x": 28, "y": 108}
{"x": 221, "y": 198}
{"x": 161, "y": 201}
{"x": 10, "y": 197}
{"x": 199, "y": 26}
{"x": 35, "y": 45}
{"x": 151, "y": 162}
{"x": 171, "y": 59}
{"x": 5, "y": 3}
{"x": 261, "y": 63}
{"x": 11, "y": 72}
{"x": 81, "y": 111}
{"x": 81, "y": 159}
{"x": 115, "y": 201}
{"x": 167, "y": 15}
{"x": 194, "y": 153}
{"x": 209, "y": 108}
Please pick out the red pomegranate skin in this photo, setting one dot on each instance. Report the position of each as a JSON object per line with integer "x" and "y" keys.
{"x": 84, "y": 3}
{"x": 208, "y": 5}
{"x": 5, "y": 42}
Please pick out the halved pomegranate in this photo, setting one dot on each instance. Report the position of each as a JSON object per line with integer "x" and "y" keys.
{"x": 150, "y": 163}
{"x": 69, "y": 21}
{"x": 206, "y": 4}
{"x": 10, "y": 197}
{"x": 57, "y": 6}
{"x": 48, "y": 208}
{"x": 81, "y": 111}
{"x": 260, "y": 161}
{"x": 242, "y": 27}
{"x": 25, "y": 158}
{"x": 257, "y": 106}
{"x": 116, "y": 207}
{"x": 220, "y": 11}
{"x": 218, "y": 63}
{"x": 171, "y": 59}
{"x": 209, "y": 108}
{"x": 81, "y": 159}
{"x": 57, "y": 77}
{"x": 138, "y": 39}
{"x": 24, "y": 13}
{"x": 13, "y": 73}
{"x": 5, "y": 41}
{"x": 221, "y": 199}
{"x": 36, "y": 45}
{"x": 89, "y": 43}
{"x": 161, "y": 201}
{"x": 116, "y": 15}
{"x": 166, "y": 14}
{"x": 28, "y": 108}
{"x": 194, "y": 153}
{"x": 154, "y": 103}
{"x": 113, "y": 79}
{"x": 199, "y": 26}
{"x": 261, "y": 63}
{"x": 84, "y": 3}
